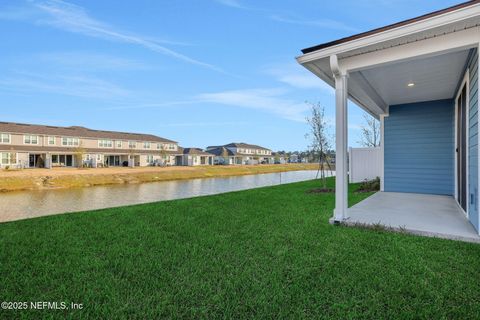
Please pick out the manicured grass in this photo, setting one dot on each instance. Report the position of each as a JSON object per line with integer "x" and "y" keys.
{"x": 264, "y": 253}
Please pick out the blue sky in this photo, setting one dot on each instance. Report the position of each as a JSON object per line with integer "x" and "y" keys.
{"x": 201, "y": 72}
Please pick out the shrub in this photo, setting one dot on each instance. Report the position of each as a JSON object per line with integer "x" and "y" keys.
{"x": 370, "y": 185}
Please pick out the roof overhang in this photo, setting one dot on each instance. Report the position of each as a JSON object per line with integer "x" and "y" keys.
{"x": 446, "y": 32}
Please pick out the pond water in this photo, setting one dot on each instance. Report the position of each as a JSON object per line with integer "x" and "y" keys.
{"x": 29, "y": 204}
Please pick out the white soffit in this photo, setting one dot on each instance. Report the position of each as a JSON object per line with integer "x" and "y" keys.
{"x": 434, "y": 78}
{"x": 419, "y": 36}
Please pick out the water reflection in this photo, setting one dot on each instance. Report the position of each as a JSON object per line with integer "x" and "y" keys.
{"x": 28, "y": 204}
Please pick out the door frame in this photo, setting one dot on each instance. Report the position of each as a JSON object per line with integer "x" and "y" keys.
{"x": 465, "y": 82}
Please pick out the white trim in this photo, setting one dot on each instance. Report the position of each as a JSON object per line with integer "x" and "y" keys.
{"x": 455, "y": 41}
{"x": 341, "y": 143}
{"x": 73, "y": 141}
{"x": 401, "y": 31}
{"x": 9, "y": 158}
{"x": 31, "y": 135}
{"x": 478, "y": 145}
{"x": 382, "y": 150}
{"x": 359, "y": 91}
{"x": 465, "y": 82}
{"x": 103, "y": 145}
{"x": 9, "y": 138}
{"x": 48, "y": 140}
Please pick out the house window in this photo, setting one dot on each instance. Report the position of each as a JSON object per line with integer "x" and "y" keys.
{"x": 132, "y": 144}
{"x": 70, "y": 142}
{"x": 54, "y": 158}
{"x": 146, "y": 145}
{"x": 150, "y": 158}
{"x": 51, "y": 140}
{"x": 171, "y": 146}
{"x": 8, "y": 158}
{"x": 119, "y": 144}
{"x": 159, "y": 146}
{"x": 4, "y": 138}
{"x": 30, "y": 139}
{"x": 105, "y": 143}
{"x": 87, "y": 157}
{"x": 99, "y": 157}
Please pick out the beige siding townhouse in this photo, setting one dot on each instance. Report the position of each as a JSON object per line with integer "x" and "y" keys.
{"x": 241, "y": 153}
{"x": 40, "y": 146}
{"x": 196, "y": 157}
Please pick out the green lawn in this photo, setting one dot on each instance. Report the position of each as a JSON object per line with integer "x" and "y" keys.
{"x": 264, "y": 253}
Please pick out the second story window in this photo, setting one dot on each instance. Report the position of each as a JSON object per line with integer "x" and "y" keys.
{"x": 30, "y": 139}
{"x": 70, "y": 142}
{"x": 159, "y": 146}
{"x": 171, "y": 146}
{"x": 4, "y": 138}
{"x": 51, "y": 141}
{"x": 146, "y": 145}
{"x": 119, "y": 144}
{"x": 105, "y": 143}
{"x": 132, "y": 144}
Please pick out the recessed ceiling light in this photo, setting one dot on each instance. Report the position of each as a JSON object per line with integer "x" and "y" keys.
{"x": 411, "y": 84}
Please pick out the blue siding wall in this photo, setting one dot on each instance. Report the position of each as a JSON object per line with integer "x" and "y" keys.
{"x": 419, "y": 148}
{"x": 473, "y": 142}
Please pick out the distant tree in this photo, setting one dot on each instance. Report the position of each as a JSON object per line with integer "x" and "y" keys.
{"x": 163, "y": 154}
{"x": 370, "y": 131}
{"x": 320, "y": 142}
{"x": 79, "y": 152}
{"x": 225, "y": 156}
{"x": 276, "y": 158}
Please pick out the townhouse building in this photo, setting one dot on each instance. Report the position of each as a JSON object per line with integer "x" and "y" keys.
{"x": 241, "y": 153}
{"x": 42, "y": 146}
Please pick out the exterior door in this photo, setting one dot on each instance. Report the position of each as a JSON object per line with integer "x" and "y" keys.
{"x": 31, "y": 160}
{"x": 461, "y": 150}
{"x": 69, "y": 160}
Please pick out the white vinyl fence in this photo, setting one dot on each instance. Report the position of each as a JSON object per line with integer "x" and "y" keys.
{"x": 364, "y": 163}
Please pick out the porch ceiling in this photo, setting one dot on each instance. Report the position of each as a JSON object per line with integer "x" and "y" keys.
{"x": 434, "y": 78}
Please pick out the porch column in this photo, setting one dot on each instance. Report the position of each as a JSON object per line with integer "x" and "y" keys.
{"x": 382, "y": 151}
{"x": 341, "y": 136}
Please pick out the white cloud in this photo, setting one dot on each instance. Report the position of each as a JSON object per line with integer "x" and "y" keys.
{"x": 73, "y": 18}
{"x": 152, "y": 105}
{"x": 231, "y": 3}
{"x": 88, "y": 60}
{"x": 266, "y": 100}
{"x": 296, "y": 76}
{"x": 321, "y": 23}
{"x": 78, "y": 86}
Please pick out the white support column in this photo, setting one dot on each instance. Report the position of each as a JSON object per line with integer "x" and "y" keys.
{"x": 382, "y": 150}
{"x": 341, "y": 134}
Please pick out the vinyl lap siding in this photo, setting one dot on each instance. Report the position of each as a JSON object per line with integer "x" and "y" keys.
{"x": 419, "y": 145}
{"x": 473, "y": 141}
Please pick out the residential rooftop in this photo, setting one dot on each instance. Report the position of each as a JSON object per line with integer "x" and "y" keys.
{"x": 77, "y": 131}
{"x": 239, "y": 145}
{"x": 196, "y": 151}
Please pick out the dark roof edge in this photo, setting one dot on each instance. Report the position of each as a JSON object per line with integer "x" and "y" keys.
{"x": 389, "y": 27}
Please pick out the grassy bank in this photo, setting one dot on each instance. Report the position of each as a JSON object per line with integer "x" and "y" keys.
{"x": 36, "y": 179}
{"x": 262, "y": 253}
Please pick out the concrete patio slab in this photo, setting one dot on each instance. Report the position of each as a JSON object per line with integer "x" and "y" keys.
{"x": 421, "y": 214}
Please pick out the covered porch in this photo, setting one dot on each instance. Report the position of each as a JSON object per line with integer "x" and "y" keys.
{"x": 419, "y": 78}
{"x": 422, "y": 214}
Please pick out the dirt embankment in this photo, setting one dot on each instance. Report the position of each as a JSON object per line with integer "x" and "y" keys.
{"x": 36, "y": 179}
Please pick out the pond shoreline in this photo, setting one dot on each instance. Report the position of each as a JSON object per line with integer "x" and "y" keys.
{"x": 36, "y": 203}
{"x": 52, "y": 179}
